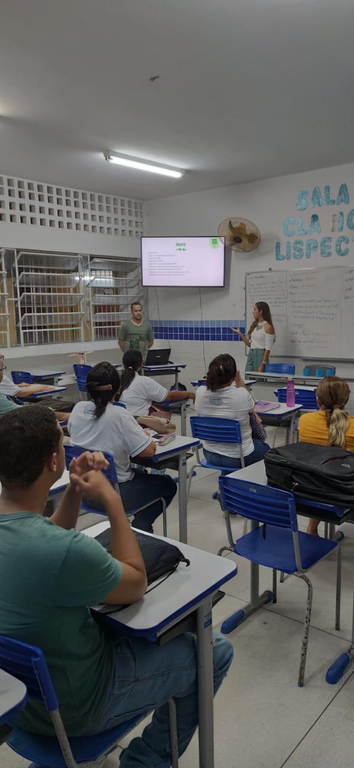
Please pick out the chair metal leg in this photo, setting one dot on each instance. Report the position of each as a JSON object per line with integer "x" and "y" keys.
{"x": 274, "y": 586}
{"x": 245, "y": 526}
{"x": 338, "y": 587}
{"x": 228, "y": 527}
{"x": 173, "y": 733}
{"x": 305, "y": 638}
{"x": 282, "y": 577}
{"x": 164, "y": 518}
{"x": 190, "y": 475}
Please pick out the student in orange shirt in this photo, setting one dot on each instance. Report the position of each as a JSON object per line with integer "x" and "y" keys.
{"x": 331, "y": 425}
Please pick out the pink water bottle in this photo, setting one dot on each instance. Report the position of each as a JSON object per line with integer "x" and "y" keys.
{"x": 290, "y": 393}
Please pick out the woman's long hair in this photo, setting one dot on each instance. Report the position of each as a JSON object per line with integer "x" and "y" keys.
{"x": 221, "y": 370}
{"x": 132, "y": 361}
{"x": 102, "y": 384}
{"x": 333, "y": 394}
{"x": 267, "y": 316}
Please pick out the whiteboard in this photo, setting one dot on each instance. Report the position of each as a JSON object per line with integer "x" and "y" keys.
{"x": 312, "y": 309}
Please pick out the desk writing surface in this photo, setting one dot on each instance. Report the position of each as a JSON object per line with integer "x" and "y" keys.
{"x": 12, "y": 692}
{"x": 44, "y": 372}
{"x": 280, "y": 409}
{"x": 166, "y": 367}
{"x": 175, "y": 595}
{"x": 48, "y": 392}
{"x": 175, "y": 446}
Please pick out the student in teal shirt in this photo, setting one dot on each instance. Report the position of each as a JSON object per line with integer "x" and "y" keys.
{"x": 51, "y": 574}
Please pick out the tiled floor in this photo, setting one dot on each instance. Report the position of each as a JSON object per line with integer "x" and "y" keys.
{"x": 262, "y": 719}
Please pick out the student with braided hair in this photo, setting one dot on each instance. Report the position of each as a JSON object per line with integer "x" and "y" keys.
{"x": 331, "y": 424}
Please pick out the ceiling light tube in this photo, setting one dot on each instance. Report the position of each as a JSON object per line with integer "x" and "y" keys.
{"x": 142, "y": 165}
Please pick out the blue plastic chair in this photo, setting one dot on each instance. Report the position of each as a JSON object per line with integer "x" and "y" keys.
{"x": 22, "y": 376}
{"x": 73, "y": 451}
{"x": 277, "y": 544}
{"x": 215, "y": 429}
{"x": 306, "y": 397}
{"x": 287, "y": 368}
{"x": 81, "y": 372}
{"x": 27, "y": 663}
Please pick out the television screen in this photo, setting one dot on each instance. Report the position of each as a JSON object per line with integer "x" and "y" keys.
{"x": 182, "y": 261}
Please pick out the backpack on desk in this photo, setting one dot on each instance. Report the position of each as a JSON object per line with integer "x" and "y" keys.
{"x": 315, "y": 472}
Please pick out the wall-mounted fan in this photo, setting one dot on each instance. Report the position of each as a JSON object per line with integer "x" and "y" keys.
{"x": 239, "y": 234}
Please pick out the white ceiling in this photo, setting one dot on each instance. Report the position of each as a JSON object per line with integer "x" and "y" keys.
{"x": 248, "y": 89}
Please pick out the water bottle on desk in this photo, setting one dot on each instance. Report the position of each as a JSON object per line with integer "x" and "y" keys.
{"x": 290, "y": 393}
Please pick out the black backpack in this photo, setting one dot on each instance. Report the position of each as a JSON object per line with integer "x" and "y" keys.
{"x": 316, "y": 472}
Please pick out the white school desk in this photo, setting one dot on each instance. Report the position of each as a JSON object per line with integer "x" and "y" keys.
{"x": 13, "y": 696}
{"x": 247, "y": 382}
{"x": 163, "y": 370}
{"x": 296, "y": 377}
{"x": 60, "y": 485}
{"x": 45, "y": 374}
{"x": 177, "y": 449}
{"x": 186, "y": 594}
{"x": 47, "y": 393}
{"x": 283, "y": 412}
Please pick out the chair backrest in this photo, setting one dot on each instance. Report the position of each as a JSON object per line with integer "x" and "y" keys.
{"x": 215, "y": 429}
{"x": 81, "y": 372}
{"x": 280, "y": 368}
{"x": 306, "y": 397}
{"x": 19, "y": 376}
{"x": 258, "y": 502}
{"x": 27, "y": 663}
{"x": 73, "y": 451}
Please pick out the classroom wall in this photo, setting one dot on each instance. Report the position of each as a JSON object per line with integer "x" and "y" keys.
{"x": 304, "y": 236}
{"x": 50, "y": 237}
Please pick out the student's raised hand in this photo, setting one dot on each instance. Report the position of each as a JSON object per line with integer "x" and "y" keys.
{"x": 87, "y": 461}
{"x": 94, "y": 485}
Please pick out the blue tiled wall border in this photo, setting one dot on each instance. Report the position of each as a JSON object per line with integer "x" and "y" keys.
{"x": 197, "y": 330}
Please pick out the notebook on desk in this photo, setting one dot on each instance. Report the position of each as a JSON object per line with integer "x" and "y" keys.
{"x": 262, "y": 406}
{"x": 158, "y": 356}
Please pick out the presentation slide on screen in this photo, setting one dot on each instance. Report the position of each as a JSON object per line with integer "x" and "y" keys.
{"x": 185, "y": 261}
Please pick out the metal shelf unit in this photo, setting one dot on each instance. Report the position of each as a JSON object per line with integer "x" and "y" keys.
{"x": 4, "y": 304}
{"x": 49, "y": 295}
{"x": 113, "y": 285}
{"x": 51, "y": 298}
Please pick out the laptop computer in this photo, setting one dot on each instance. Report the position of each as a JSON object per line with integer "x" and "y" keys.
{"x": 157, "y": 356}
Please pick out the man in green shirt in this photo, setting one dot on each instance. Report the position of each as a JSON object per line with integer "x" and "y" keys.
{"x": 136, "y": 333}
{"x": 51, "y": 574}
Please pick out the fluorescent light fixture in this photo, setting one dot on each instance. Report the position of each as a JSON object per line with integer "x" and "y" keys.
{"x": 142, "y": 165}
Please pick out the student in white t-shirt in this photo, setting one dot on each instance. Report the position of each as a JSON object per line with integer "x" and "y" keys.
{"x": 226, "y": 396}
{"x": 139, "y": 392}
{"x": 97, "y": 424}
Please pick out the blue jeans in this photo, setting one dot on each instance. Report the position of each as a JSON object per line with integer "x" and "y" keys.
{"x": 141, "y": 490}
{"x": 146, "y": 676}
{"x": 225, "y": 461}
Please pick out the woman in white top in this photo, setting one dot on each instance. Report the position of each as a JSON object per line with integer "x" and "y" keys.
{"x": 225, "y": 396}
{"x": 139, "y": 392}
{"x": 260, "y": 337}
{"x": 100, "y": 425}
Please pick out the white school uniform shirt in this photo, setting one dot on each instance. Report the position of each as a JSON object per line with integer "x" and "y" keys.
{"x": 7, "y": 387}
{"x": 227, "y": 403}
{"x": 142, "y": 391}
{"x": 260, "y": 339}
{"x": 116, "y": 432}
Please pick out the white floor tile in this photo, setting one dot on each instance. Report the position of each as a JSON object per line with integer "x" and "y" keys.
{"x": 328, "y": 743}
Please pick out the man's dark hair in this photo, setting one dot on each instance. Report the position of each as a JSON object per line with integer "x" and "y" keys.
{"x": 28, "y": 437}
{"x": 136, "y": 304}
